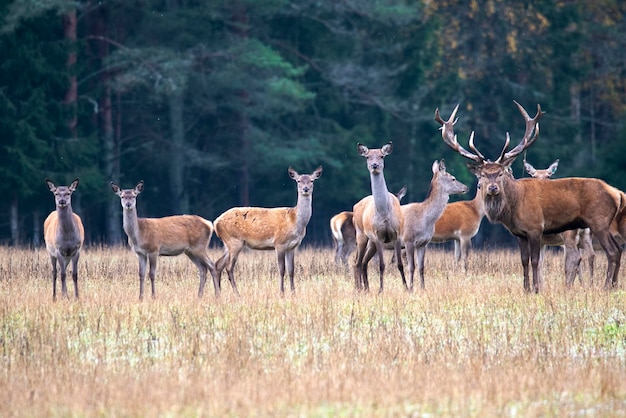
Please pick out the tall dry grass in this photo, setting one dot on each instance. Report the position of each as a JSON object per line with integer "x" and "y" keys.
{"x": 469, "y": 345}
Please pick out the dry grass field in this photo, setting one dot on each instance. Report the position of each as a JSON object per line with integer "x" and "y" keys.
{"x": 469, "y": 345}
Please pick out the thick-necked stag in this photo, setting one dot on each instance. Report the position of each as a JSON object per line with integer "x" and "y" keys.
{"x": 378, "y": 220}
{"x": 64, "y": 235}
{"x": 573, "y": 241}
{"x": 150, "y": 238}
{"x": 530, "y": 208}
{"x": 280, "y": 229}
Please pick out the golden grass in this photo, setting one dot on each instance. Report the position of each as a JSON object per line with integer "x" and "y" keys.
{"x": 469, "y": 345}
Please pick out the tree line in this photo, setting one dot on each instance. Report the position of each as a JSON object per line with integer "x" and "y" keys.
{"x": 210, "y": 102}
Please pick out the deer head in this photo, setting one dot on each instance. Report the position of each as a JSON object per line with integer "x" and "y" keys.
{"x": 491, "y": 174}
{"x": 541, "y": 174}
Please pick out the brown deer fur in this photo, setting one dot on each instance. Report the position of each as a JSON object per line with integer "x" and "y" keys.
{"x": 281, "y": 229}
{"x": 378, "y": 220}
{"x": 150, "y": 238}
{"x": 64, "y": 236}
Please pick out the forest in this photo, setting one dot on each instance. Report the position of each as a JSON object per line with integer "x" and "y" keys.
{"x": 210, "y": 102}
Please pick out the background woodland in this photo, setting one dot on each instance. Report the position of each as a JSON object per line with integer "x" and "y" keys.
{"x": 210, "y": 102}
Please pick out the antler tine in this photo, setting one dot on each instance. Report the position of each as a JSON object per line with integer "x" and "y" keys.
{"x": 503, "y": 154}
{"x": 473, "y": 147}
{"x": 532, "y": 124}
{"x": 450, "y": 138}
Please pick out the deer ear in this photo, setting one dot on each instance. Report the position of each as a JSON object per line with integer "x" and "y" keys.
{"x": 387, "y": 148}
{"x": 361, "y": 149}
{"x": 74, "y": 185}
{"x": 317, "y": 173}
{"x": 115, "y": 188}
{"x": 474, "y": 169}
{"x": 529, "y": 169}
{"x": 51, "y": 185}
{"x": 139, "y": 187}
{"x": 435, "y": 167}
{"x": 553, "y": 167}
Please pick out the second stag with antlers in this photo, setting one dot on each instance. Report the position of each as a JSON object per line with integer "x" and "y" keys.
{"x": 530, "y": 207}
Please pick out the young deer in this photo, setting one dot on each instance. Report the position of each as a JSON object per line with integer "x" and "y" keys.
{"x": 150, "y": 238}
{"x": 377, "y": 218}
{"x": 530, "y": 208}
{"x": 344, "y": 234}
{"x": 460, "y": 221}
{"x": 420, "y": 218}
{"x": 573, "y": 240}
{"x": 64, "y": 235}
{"x": 281, "y": 229}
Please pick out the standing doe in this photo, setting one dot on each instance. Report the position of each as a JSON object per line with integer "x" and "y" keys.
{"x": 574, "y": 241}
{"x": 281, "y": 229}
{"x": 150, "y": 238}
{"x": 530, "y": 208}
{"x": 344, "y": 234}
{"x": 378, "y": 220}
{"x": 64, "y": 235}
{"x": 420, "y": 217}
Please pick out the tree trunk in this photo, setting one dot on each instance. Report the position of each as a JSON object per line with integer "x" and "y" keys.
{"x": 14, "y": 221}
{"x": 110, "y": 159}
{"x": 71, "y": 95}
{"x": 179, "y": 196}
{"x": 36, "y": 229}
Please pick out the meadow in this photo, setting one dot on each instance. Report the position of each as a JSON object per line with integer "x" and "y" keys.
{"x": 471, "y": 344}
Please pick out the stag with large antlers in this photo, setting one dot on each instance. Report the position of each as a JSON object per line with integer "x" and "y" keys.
{"x": 530, "y": 208}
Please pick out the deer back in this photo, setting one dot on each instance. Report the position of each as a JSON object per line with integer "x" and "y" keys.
{"x": 553, "y": 206}
{"x": 171, "y": 235}
{"x": 458, "y": 219}
{"x": 259, "y": 228}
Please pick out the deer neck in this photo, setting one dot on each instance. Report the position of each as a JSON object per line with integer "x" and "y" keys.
{"x": 131, "y": 223}
{"x": 499, "y": 208}
{"x": 380, "y": 193}
{"x": 435, "y": 202}
{"x": 479, "y": 203}
{"x": 303, "y": 211}
{"x": 66, "y": 220}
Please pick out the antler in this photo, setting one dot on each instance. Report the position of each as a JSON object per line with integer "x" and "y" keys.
{"x": 532, "y": 124}
{"x": 449, "y": 137}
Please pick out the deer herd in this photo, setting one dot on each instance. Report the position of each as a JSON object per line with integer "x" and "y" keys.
{"x": 539, "y": 211}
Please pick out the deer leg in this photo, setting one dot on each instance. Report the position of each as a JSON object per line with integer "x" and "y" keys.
{"x": 142, "y": 272}
{"x": 398, "y": 253}
{"x": 63, "y": 267}
{"x": 280, "y": 257}
{"x": 465, "y": 245}
{"x": 525, "y": 255}
{"x": 202, "y": 270}
{"x": 53, "y": 261}
{"x": 289, "y": 256}
{"x": 358, "y": 261}
{"x": 421, "y": 252}
{"x": 535, "y": 256}
{"x": 572, "y": 263}
{"x": 381, "y": 263}
{"x": 370, "y": 250}
{"x": 613, "y": 255}
{"x": 75, "y": 273}
{"x": 152, "y": 259}
{"x": 409, "y": 250}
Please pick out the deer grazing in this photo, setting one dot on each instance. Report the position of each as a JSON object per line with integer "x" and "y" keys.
{"x": 150, "y": 238}
{"x": 281, "y": 229}
{"x": 344, "y": 234}
{"x": 460, "y": 222}
{"x": 571, "y": 240}
{"x": 530, "y": 208}
{"x": 420, "y": 217}
{"x": 378, "y": 220}
{"x": 64, "y": 236}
